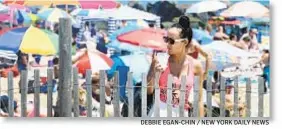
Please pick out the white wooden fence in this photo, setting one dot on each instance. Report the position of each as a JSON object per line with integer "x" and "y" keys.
{"x": 130, "y": 94}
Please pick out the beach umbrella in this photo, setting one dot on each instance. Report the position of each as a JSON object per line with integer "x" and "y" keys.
{"x": 29, "y": 2}
{"x": 26, "y": 18}
{"x": 246, "y": 9}
{"x": 3, "y": 9}
{"x": 206, "y": 6}
{"x": 95, "y": 61}
{"x": 4, "y": 17}
{"x": 86, "y": 4}
{"x": 18, "y": 7}
{"x": 88, "y": 12}
{"x": 137, "y": 63}
{"x": 220, "y": 60}
{"x": 114, "y": 43}
{"x": 53, "y": 15}
{"x": 202, "y": 36}
{"x": 147, "y": 37}
{"x": 122, "y": 46}
{"x": 227, "y": 48}
{"x": 30, "y": 40}
{"x": 130, "y": 27}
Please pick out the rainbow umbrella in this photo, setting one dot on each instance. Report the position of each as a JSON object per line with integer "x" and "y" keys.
{"x": 30, "y": 40}
{"x": 53, "y": 15}
{"x": 26, "y": 18}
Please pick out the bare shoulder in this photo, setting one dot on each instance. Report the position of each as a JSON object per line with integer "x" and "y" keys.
{"x": 196, "y": 64}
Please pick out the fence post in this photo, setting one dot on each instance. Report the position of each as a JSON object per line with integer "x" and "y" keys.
{"x": 144, "y": 95}
{"x": 102, "y": 93}
{"x": 196, "y": 96}
{"x": 261, "y": 97}
{"x": 157, "y": 95}
{"x": 75, "y": 93}
{"x": 50, "y": 87}
{"x": 65, "y": 65}
{"x": 23, "y": 86}
{"x": 169, "y": 95}
{"x": 209, "y": 96}
{"x": 182, "y": 96}
{"x": 116, "y": 95}
{"x": 222, "y": 96}
{"x": 36, "y": 85}
{"x": 248, "y": 97}
{"x": 236, "y": 97}
{"x": 89, "y": 92}
{"x": 130, "y": 88}
{"x": 11, "y": 93}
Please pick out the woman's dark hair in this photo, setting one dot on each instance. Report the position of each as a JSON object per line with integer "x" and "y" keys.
{"x": 56, "y": 61}
{"x": 266, "y": 51}
{"x": 247, "y": 39}
{"x": 186, "y": 30}
{"x": 232, "y": 36}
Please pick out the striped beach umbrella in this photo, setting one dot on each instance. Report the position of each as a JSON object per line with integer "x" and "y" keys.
{"x": 26, "y": 18}
{"x": 95, "y": 61}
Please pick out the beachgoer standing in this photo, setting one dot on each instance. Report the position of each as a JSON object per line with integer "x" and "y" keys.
{"x": 179, "y": 64}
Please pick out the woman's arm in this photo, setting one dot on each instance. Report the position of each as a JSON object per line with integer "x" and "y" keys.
{"x": 208, "y": 59}
{"x": 198, "y": 71}
{"x": 155, "y": 67}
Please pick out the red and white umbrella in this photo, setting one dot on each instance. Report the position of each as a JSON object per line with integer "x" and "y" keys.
{"x": 95, "y": 61}
{"x": 148, "y": 38}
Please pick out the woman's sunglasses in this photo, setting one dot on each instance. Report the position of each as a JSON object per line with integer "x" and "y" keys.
{"x": 171, "y": 40}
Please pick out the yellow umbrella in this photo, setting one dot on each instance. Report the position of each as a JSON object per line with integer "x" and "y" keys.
{"x": 33, "y": 18}
{"x": 37, "y": 2}
{"x": 65, "y": 2}
{"x": 37, "y": 41}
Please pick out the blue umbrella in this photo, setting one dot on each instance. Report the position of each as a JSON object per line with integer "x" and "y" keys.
{"x": 202, "y": 36}
{"x": 137, "y": 64}
{"x": 125, "y": 46}
{"x": 128, "y": 28}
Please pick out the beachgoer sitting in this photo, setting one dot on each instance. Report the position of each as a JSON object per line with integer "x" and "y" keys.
{"x": 220, "y": 35}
